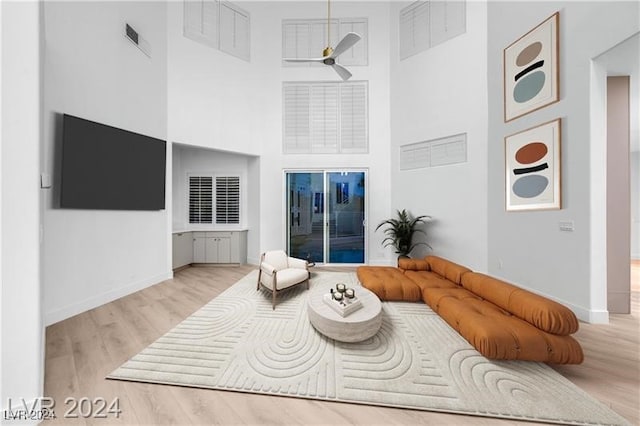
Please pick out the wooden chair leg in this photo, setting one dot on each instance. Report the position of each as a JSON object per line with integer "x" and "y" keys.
{"x": 259, "y": 276}
{"x": 274, "y": 290}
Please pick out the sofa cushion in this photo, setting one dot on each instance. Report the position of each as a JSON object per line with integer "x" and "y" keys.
{"x": 407, "y": 263}
{"x": 545, "y": 314}
{"x": 449, "y": 270}
{"x": 433, "y": 296}
{"x": 388, "y": 283}
{"x": 497, "y": 334}
{"x": 425, "y": 279}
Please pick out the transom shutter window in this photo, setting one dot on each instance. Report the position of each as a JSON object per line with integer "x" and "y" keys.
{"x": 227, "y": 199}
{"x": 325, "y": 117}
{"x": 357, "y": 55}
{"x": 218, "y": 24}
{"x": 200, "y": 199}
{"x": 201, "y": 21}
{"x": 414, "y": 29}
{"x": 234, "y": 31}
{"x": 306, "y": 38}
{"x": 425, "y": 24}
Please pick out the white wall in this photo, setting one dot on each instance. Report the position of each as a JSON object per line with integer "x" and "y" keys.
{"x": 21, "y": 327}
{"x": 530, "y": 247}
{"x": 436, "y": 93}
{"x": 92, "y": 71}
{"x": 213, "y": 97}
{"x": 221, "y": 102}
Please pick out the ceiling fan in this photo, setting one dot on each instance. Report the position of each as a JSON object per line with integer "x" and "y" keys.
{"x": 330, "y": 54}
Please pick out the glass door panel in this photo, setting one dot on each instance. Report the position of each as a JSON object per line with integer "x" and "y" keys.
{"x": 345, "y": 217}
{"x": 305, "y": 218}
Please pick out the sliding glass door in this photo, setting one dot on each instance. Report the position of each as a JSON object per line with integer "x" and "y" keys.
{"x": 326, "y": 216}
{"x": 305, "y": 216}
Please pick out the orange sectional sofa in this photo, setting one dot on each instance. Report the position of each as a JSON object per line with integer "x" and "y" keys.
{"x": 500, "y": 320}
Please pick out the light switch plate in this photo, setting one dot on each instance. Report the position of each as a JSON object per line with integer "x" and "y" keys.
{"x": 45, "y": 180}
{"x": 566, "y": 226}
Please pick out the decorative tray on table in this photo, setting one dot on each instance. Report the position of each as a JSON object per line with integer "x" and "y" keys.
{"x": 343, "y": 307}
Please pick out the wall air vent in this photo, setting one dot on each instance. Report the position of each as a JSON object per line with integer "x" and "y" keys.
{"x": 134, "y": 37}
{"x": 435, "y": 152}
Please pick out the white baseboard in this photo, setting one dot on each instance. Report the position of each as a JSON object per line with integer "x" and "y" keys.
{"x": 598, "y": 317}
{"x": 57, "y": 315}
{"x": 584, "y": 314}
{"x": 253, "y": 261}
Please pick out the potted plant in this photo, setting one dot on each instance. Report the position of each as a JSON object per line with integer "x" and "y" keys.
{"x": 400, "y": 230}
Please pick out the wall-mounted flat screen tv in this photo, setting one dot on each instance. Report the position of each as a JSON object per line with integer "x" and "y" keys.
{"x": 106, "y": 168}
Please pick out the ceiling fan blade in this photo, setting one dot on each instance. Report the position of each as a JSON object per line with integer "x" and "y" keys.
{"x": 345, "y": 44}
{"x": 304, "y": 59}
{"x": 342, "y": 71}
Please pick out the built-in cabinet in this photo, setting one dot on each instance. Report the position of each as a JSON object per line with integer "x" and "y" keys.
{"x": 182, "y": 249}
{"x": 209, "y": 247}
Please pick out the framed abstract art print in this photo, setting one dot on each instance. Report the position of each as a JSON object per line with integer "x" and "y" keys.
{"x": 531, "y": 70}
{"x": 532, "y": 168}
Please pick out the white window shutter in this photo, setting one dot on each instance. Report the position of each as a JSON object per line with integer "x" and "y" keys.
{"x": 221, "y": 25}
{"x": 200, "y": 199}
{"x": 227, "y": 199}
{"x": 201, "y": 21}
{"x": 296, "y": 42}
{"x": 424, "y": 24}
{"x": 210, "y": 10}
{"x": 324, "y": 118}
{"x": 456, "y": 18}
{"x": 421, "y": 34}
{"x": 357, "y": 55}
{"x": 234, "y": 31}
{"x": 297, "y": 118}
{"x": 192, "y": 17}
{"x": 353, "y": 118}
{"x": 307, "y": 38}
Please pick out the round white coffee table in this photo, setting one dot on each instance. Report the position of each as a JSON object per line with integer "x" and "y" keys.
{"x": 355, "y": 327}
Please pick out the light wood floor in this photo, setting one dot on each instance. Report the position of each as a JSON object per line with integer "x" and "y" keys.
{"x": 82, "y": 350}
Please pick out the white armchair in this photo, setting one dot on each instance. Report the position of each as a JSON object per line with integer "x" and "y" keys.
{"x": 278, "y": 272}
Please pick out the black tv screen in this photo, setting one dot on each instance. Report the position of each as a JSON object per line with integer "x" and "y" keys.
{"x": 107, "y": 168}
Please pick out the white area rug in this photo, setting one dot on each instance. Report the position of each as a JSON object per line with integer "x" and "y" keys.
{"x": 237, "y": 342}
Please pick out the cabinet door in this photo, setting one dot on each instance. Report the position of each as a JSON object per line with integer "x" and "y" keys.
{"x": 211, "y": 249}
{"x": 199, "y": 249}
{"x": 182, "y": 249}
{"x": 224, "y": 250}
